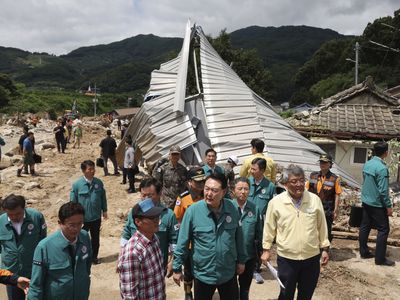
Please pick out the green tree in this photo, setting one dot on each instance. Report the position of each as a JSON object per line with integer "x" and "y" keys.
{"x": 247, "y": 64}
{"x": 8, "y": 90}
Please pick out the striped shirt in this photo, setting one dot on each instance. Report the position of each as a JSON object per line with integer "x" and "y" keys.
{"x": 140, "y": 267}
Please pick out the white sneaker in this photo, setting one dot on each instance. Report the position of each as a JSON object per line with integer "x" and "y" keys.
{"x": 258, "y": 278}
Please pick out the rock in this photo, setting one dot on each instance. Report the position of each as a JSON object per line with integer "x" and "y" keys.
{"x": 12, "y": 151}
{"x": 18, "y": 183}
{"x": 7, "y": 132}
{"x": 31, "y": 201}
{"x": 5, "y": 162}
{"x": 48, "y": 145}
{"x": 16, "y": 159}
{"x": 121, "y": 214}
{"x": 61, "y": 201}
{"x": 31, "y": 185}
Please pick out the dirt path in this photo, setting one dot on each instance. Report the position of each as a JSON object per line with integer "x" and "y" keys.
{"x": 346, "y": 277}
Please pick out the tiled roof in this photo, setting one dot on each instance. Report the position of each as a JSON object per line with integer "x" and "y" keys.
{"x": 340, "y": 116}
{"x": 126, "y": 111}
{"x": 358, "y": 119}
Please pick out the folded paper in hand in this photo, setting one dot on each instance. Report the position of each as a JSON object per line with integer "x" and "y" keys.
{"x": 274, "y": 273}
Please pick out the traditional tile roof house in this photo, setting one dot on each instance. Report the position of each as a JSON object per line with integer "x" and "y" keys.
{"x": 123, "y": 113}
{"x": 348, "y": 123}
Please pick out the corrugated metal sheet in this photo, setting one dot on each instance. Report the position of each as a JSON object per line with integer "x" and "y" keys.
{"x": 157, "y": 127}
{"x": 233, "y": 115}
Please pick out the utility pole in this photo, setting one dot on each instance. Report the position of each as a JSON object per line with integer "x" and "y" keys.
{"x": 95, "y": 99}
{"x": 357, "y": 48}
{"x": 356, "y": 72}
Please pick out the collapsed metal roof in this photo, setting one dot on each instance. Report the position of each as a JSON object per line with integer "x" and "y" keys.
{"x": 225, "y": 114}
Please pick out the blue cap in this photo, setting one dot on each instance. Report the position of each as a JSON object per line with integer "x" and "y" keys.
{"x": 146, "y": 208}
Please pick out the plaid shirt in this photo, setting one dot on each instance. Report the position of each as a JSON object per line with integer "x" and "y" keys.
{"x": 140, "y": 267}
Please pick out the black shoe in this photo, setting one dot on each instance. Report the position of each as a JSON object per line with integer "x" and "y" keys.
{"x": 117, "y": 174}
{"x": 130, "y": 191}
{"x": 96, "y": 261}
{"x": 368, "y": 255}
{"x": 387, "y": 262}
{"x": 19, "y": 173}
{"x": 123, "y": 182}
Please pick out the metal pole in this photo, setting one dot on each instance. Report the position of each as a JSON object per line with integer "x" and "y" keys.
{"x": 95, "y": 100}
{"x": 357, "y": 49}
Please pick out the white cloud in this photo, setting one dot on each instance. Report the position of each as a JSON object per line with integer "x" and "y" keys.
{"x": 60, "y": 26}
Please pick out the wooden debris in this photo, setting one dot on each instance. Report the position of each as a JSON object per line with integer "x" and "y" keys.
{"x": 354, "y": 236}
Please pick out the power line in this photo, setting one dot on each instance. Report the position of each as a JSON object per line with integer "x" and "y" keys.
{"x": 386, "y": 47}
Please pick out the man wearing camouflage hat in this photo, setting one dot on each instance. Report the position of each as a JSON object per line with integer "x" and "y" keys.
{"x": 173, "y": 177}
{"x": 326, "y": 185}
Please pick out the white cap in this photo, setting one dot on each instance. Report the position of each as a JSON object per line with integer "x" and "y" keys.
{"x": 234, "y": 159}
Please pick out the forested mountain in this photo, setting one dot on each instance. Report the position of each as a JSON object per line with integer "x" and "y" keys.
{"x": 283, "y": 50}
{"x": 126, "y": 65}
{"x": 296, "y": 63}
{"x": 328, "y": 71}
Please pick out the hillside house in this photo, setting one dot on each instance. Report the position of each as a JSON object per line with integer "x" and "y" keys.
{"x": 347, "y": 124}
{"x": 125, "y": 113}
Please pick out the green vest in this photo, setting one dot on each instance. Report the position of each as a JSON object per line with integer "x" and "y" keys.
{"x": 53, "y": 274}
{"x": 17, "y": 251}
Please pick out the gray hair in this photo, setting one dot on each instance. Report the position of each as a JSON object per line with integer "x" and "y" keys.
{"x": 292, "y": 170}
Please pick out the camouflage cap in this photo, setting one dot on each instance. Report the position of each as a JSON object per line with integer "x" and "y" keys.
{"x": 175, "y": 149}
{"x": 197, "y": 174}
{"x": 325, "y": 158}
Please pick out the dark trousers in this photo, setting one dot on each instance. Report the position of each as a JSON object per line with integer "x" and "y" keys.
{"x": 378, "y": 217}
{"x": 187, "y": 275}
{"x": 329, "y": 221}
{"x": 258, "y": 261}
{"x": 15, "y": 293}
{"x": 94, "y": 229}
{"x": 131, "y": 179}
{"x": 245, "y": 279}
{"x": 124, "y": 175}
{"x": 113, "y": 160}
{"x": 60, "y": 144}
{"x": 227, "y": 291}
{"x": 302, "y": 274}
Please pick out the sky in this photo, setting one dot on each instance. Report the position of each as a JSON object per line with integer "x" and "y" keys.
{"x": 60, "y": 26}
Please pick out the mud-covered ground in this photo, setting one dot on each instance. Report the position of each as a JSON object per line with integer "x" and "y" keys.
{"x": 346, "y": 277}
